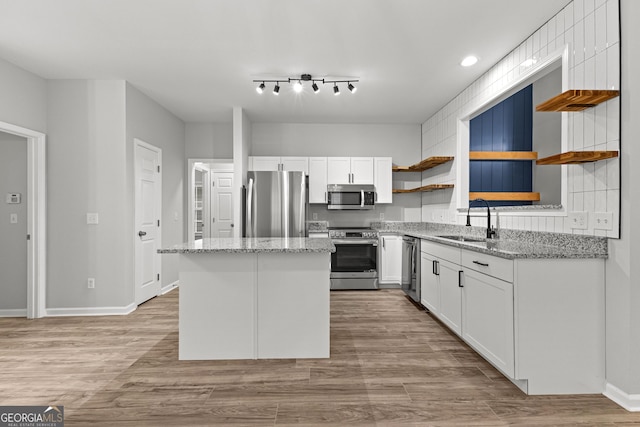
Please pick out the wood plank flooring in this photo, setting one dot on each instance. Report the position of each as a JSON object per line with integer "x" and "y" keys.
{"x": 391, "y": 364}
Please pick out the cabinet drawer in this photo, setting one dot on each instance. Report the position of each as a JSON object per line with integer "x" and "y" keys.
{"x": 493, "y": 266}
{"x": 445, "y": 252}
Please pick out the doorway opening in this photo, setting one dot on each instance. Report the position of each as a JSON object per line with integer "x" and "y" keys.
{"x": 210, "y": 204}
{"x": 34, "y": 199}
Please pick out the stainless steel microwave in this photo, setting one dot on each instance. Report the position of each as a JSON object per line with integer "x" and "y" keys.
{"x": 351, "y": 196}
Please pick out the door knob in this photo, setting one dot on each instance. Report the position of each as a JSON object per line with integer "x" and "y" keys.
{"x": 231, "y": 225}
{"x": 142, "y": 233}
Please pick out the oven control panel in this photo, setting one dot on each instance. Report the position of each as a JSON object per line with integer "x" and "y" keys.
{"x": 353, "y": 234}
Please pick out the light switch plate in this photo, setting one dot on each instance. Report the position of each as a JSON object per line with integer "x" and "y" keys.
{"x": 578, "y": 220}
{"x": 13, "y": 218}
{"x": 603, "y": 221}
{"x": 92, "y": 218}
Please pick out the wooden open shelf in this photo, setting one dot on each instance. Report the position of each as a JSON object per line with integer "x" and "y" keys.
{"x": 577, "y": 100}
{"x": 499, "y": 196}
{"x": 425, "y": 164}
{"x": 424, "y": 188}
{"x": 577, "y": 157}
{"x": 503, "y": 155}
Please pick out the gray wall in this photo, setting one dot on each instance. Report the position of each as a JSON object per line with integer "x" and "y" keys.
{"x": 23, "y": 99}
{"x": 209, "y": 140}
{"x": 547, "y": 140}
{"x": 401, "y": 142}
{"x": 622, "y": 269}
{"x": 13, "y": 242}
{"x": 86, "y": 172}
{"x": 149, "y": 121}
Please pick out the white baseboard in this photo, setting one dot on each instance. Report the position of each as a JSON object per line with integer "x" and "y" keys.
{"x": 91, "y": 311}
{"x": 13, "y": 312}
{"x": 630, "y": 402}
{"x": 169, "y": 288}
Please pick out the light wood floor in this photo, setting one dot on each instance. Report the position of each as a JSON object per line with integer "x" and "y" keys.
{"x": 391, "y": 364}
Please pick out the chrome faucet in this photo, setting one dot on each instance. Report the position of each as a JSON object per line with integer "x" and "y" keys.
{"x": 491, "y": 232}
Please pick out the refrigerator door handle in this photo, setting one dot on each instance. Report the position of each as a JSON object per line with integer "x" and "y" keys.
{"x": 303, "y": 201}
{"x": 362, "y": 198}
{"x": 249, "y": 213}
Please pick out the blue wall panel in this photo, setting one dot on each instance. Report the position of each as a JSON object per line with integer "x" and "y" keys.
{"x": 505, "y": 127}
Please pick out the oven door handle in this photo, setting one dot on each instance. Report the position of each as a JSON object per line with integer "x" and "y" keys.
{"x": 354, "y": 242}
{"x": 362, "y": 198}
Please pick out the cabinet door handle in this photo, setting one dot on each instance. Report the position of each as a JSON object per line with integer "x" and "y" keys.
{"x": 484, "y": 264}
{"x": 383, "y": 243}
{"x": 435, "y": 268}
{"x": 460, "y": 285}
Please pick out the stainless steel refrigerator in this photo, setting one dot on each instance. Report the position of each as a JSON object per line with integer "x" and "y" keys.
{"x": 276, "y": 204}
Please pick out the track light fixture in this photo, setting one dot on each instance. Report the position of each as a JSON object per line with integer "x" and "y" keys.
{"x": 298, "y": 84}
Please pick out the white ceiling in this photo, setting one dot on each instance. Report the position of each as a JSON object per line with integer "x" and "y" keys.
{"x": 198, "y": 57}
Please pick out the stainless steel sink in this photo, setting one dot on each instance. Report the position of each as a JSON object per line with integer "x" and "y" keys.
{"x": 464, "y": 239}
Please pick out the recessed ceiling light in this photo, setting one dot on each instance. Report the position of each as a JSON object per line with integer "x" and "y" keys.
{"x": 469, "y": 61}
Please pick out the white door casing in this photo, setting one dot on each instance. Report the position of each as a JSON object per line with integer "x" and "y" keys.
{"x": 222, "y": 204}
{"x": 148, "y": 208}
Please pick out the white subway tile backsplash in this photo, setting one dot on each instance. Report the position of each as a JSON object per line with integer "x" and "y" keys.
{"x": 613, "y": 67}
{"x": 578, "y": 10}
{"x": 589, "y": 184}
{"x": 613, "y": 173}
{"x": 578, "y": 76}
{"x": 569, "y": 19}
{"x": 578, "y": 131}
{"x": 613, "y": 22}
{"x": 590, "y": 73}
{"x": 601, "y": 201}
{"x": 600, "y": 126}
{"x": 613, "y": 119}
{"x": 589, "y": 129}
{"x": 589, "y": 35}
{"x": 601, "y": 70}
{"x": 601, "y": 28}
{"x": 560, "y": 23}
{"x": 578, "y": 178}
{"x": 589, "y": 6}
{"x": 544, "y": 36}
{"x": 578, "y": 35}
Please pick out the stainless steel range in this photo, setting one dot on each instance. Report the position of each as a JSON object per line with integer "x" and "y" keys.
{"x": 354, "y": 263}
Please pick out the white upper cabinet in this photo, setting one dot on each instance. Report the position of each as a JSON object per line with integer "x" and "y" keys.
{"x": 383, "y": 178}
{"x": 350, "y": 170}
{"x": 287, "y": 163}
{"x": 317, "y": 180}
{"x": 339, "y": 170}
{"x": 264, "y": 163}
{"x": 295, "y": 164}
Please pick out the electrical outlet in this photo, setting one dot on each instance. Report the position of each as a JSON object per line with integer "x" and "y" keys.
{"x": 603, "y": 221}
{"x": 381, "y": 215}
{"x": 578, "y": 220}
{"x": 91, "y": 283}
{"x": 13, "y": 218}
{"x": 315, "y": 216}
{"x": 92, "y": 218}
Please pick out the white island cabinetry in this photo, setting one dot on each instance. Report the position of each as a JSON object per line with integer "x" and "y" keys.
{"x": 254, "y": 298}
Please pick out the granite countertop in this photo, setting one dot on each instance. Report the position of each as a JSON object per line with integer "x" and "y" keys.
{"x": 510, "y": 244}
{"x": 513, "y": 249}
{"x": 253, "y": 245}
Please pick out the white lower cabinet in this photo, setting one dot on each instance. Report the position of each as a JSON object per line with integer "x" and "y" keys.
{"x": 539, "y": 321}
{"x": 390, "y": 263}
{"x": 487, "y": 307}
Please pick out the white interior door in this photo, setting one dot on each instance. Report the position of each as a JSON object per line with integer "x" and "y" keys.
{"x": 148, "y": 204}
{"x": 222, "y": 204}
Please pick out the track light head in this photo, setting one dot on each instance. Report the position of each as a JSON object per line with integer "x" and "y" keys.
{"x": 315, "y": 87}
{"x": 260, "y": 88}
{"x": 336, "y": 90}
{"x": 297, "y": 87}
{"x": 276, "y": 89}
{"x": 352, "y": 88}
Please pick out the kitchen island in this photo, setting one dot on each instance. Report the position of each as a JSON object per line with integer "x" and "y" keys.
{"x": 253, "y": 298}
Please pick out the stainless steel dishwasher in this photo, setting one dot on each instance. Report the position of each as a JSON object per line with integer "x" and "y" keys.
{"x": 411, "y": 267}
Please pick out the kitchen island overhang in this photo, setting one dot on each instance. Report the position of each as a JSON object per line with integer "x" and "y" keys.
{"x": 254, "y": 298}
